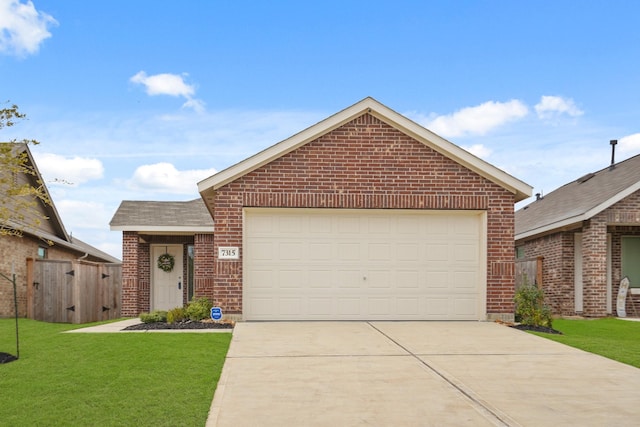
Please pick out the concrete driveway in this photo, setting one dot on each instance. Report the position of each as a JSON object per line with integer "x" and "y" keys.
{"x": 416, "y": 374}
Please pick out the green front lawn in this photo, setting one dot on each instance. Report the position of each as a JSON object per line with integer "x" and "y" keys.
{"x": 612, "y": 338}
{"x": 107, "y": 379}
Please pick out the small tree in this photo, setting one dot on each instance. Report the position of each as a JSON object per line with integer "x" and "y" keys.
{"x": 530, "y": 307}
{"x": 20, "y": 198}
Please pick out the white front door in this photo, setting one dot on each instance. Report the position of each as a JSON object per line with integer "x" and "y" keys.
{"x": 167, "y": 286}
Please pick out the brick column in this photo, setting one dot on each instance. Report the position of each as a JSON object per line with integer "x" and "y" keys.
{"x": 204, "y": 267}
{"x": 129, "y": 274}
{"x": 594, "y": 267}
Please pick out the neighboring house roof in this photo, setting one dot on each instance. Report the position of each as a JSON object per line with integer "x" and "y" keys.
{"x": 579, "y": 200}
{"x": 54, "y": 223}
{"x": 52, "y": 230}
{"x": 162, "y": 217}
{"x": 385, "y": 114}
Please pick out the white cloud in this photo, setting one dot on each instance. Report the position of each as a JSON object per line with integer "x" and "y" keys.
{"x": 69, "y": 170}
{"x": 172, "y": 85}
{"x": 164, "y": 84}
{"x": 477, "y": 120}
{"x": 554, "y": 106}
{"x": 79, "y": 214}
{"x": 479, "y": 150}
{"x": 165, "y": 178}
{"x": 22, "y": 27}
{"x": 196, "y": 104}
{"x": 630, "y": 144}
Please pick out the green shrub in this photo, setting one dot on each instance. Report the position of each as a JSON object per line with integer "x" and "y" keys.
{"x": 176, "y": 315}
{"x": 155, "y": 316}
{"x": 198, "y": 309}
{"x": 530, "y": 307}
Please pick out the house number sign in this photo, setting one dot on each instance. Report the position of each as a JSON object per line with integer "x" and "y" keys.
{"x": 228, "y": 252}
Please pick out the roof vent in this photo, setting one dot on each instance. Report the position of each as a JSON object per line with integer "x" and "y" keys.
{"x": 613, "y": 143}
{"x": 585, "y": 178}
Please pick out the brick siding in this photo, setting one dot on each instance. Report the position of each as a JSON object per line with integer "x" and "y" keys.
{"x": 365, "y": 164}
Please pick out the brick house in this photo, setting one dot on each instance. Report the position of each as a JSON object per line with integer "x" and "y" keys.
{"x": 48, "y": 240}
{"x": 588, "y": 233}
{"x": 365, "y": 215}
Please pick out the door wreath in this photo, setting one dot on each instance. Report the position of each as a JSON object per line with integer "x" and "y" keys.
{"x": 166, "y": 262}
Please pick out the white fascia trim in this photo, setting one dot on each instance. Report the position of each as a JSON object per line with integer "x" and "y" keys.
{"x": 161, "y": 229}
{"x": 385, "y": 114}
{"x": 550, "y": 227}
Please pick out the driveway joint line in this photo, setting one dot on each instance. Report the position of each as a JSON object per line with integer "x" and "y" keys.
{"x": 464, "y": 392}
{"x": 293, "y": 356}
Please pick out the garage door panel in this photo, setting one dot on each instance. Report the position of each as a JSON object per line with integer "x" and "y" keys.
{"x": 320, "y": 306}
{"x": 320, "y": 279}
{"x": 376, "y": 265}
{"x": 349, "y": 307}
{"x": 290, "y": 306}
{"x": 291, "y": 279}
{"x": 290, "y": 251}
{"x": 408, "y": 279}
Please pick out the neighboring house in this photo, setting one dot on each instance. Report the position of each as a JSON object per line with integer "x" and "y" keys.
{"x": 588, "y": 232}
{"x": 365, "y": 215}
{"x": 48, "y": 240}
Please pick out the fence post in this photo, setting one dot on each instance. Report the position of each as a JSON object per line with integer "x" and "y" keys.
{"x": 539, "y": 271}
{"x": 30, "y": 301}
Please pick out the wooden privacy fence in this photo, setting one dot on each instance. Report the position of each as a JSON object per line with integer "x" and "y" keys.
{"x": 73, "y": 291}
{"x": 529, "y": 271}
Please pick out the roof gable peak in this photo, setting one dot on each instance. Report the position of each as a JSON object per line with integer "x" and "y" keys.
{"x": 367, "y": 106}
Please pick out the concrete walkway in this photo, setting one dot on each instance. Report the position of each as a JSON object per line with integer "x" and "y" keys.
{"x": 416, "y": 374}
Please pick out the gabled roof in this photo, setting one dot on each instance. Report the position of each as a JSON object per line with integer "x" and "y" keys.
{"x": 368, "y": 105}
{"x": 162, "y": 217}
{"x": 54, "y": 230}
{"x": 579, "y": 200}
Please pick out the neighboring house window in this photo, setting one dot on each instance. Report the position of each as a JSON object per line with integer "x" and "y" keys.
{"x": 190, "y": 256}
{"x": 519, "y": 252}
{"x": 42, "y": 252}
{"x": 631, "y": 260}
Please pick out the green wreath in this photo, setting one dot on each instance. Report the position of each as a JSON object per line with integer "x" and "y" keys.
{"x": 166, "y": 262}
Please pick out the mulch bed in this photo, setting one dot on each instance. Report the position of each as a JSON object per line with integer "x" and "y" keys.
{"x": 6, "y": 357}
{"x": 543, "y": 329}
{"x": 178, "y": 325}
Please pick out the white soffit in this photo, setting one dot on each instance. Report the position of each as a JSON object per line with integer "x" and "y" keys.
{"x": 162, "y": 229}
{"x": 385, "y": 114}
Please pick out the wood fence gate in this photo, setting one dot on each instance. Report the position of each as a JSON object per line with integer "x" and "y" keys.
{"x": 73, "y": 291}
{"x": 529, "y": 271}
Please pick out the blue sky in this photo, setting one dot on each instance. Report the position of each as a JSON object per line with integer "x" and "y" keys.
{"x": 139, "y": 100}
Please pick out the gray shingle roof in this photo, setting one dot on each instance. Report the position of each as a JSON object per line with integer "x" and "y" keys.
{"x": 162, "y": 214}
{"x": 579, "y": 200}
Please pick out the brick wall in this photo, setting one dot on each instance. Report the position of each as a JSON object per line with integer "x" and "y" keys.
{"x": 365, "y": 164}
{"x": 557, "y": 270}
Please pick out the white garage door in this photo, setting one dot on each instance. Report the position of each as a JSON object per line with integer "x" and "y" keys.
{"x": 337, "y": 264}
